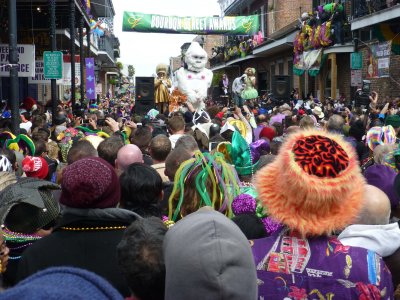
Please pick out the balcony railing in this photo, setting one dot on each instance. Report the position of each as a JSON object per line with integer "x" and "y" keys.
{"x": 106, "y": 44}
{"x": 224, "y": 4}
{"x": 234, "y": 48}
{"x": 366, "y": 7}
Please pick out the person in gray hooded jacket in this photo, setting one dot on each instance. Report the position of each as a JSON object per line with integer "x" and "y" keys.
{"x": 208, "y": 257}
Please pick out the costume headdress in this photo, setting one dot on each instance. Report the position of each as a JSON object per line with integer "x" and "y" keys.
{"x": 242, "y": 155}
{"x": 88, "y": 131}
{"x": 21, "y": 143}
{"x": 380, "y": 135}
{"x": 66, "y": 139}
{"x": 392, "y": 159}
{"x": 314, "y": 185}
{"x": 212, "y": 167}
{"x": 161, "y": 68}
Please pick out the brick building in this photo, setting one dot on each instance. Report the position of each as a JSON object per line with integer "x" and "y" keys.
{"x": 273, "y": 59}
{"x": 210, "y": 43}
{"x": 374, "y": 23}
{"x": 175, "y": 63}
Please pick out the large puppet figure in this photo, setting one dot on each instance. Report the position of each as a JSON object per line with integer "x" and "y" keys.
{"x": 161, "y": 88}
{"x": 194, "y": 79}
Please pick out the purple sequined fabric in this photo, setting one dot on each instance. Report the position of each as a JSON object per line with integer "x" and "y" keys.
{"x": 270, "y": 225}
{"x": 244, "y": 204}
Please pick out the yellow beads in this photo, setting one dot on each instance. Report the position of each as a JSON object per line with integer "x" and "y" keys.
{"x": 93, "y": 228}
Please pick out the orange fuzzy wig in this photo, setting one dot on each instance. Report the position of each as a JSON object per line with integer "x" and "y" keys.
{"x": 314, "y": 186}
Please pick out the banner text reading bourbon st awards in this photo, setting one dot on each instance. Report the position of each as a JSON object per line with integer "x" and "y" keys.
{"x": 239, "y": 25}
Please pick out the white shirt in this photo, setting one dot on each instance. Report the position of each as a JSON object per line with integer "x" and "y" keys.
{"x": 238, "y": 85}
{"x": 27, "y": 126}
{"x": 174, "y": 138}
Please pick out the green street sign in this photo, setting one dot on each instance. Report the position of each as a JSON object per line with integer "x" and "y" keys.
{"x": 356, "y": 61}
{"x": 53, "y": 61}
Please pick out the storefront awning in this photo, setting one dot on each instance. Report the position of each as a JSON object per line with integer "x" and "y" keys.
{"x": 376, "y": 18}
{"x": 347, "y": 48}
{"x": 232, "y": 62}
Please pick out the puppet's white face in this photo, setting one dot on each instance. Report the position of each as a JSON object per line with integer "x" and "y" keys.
{"x": 196, "y": 62}
{"x": 196, "y": 59}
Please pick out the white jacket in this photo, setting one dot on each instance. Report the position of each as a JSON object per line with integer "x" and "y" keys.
{"x": 383, "y": 239}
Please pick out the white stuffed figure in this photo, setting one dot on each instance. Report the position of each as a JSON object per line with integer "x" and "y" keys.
{"x": 194, "y": 80}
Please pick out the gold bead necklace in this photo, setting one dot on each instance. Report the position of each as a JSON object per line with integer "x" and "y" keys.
{"x": 93, "y": 228}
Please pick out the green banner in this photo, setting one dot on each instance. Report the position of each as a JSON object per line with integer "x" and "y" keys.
{"x": 239, "y": 25}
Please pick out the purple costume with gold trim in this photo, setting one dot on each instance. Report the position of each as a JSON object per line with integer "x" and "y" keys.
{"x": 289, "y": 267}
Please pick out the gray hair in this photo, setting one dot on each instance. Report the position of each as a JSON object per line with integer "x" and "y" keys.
{"x": 380, "y": 151}
{"x": 188, "y": 142}
{"x": 335, "y": 124}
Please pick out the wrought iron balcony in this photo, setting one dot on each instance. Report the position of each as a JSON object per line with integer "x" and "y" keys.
{"x": 367, "y": 7}
{"x": 234, "y": 48}
{"x": 106, "y": 44}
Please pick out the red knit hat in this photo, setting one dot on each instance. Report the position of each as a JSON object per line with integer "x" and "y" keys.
{"x": 28, "y": 103}
{"x": 90, "y": 183}
{"x": 267, "y": 132}
{"x": 35, "y": 167}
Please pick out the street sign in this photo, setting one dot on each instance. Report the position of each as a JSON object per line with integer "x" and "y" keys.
{"x": 356, "y": 61}
{"x": 356, "y": 78}
{"x": 53, "y": 61}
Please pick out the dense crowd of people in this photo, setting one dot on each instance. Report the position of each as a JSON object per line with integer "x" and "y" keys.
{"x": 295, "y": 199}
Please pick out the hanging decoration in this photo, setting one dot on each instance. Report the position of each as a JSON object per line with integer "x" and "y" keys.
{"x": 90, "y": 79}
{"x": 378, "y": 60}
{"x": 389, "y": 32}
{"x": 238, "y": 25}
{"x": 319, "y": 29}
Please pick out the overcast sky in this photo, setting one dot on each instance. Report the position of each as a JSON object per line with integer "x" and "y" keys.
{"x": 145, "y": 50}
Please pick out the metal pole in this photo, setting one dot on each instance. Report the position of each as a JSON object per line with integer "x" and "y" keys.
{"x": 72, "y": 48}
{"x": 82, "y": 58}
{"x": 88, "y": 33}
{"x": 53, "y": 40}
{"x": 13, "y": 60}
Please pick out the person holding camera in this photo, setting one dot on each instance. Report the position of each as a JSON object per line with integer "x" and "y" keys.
{"x": 238, "y": 86}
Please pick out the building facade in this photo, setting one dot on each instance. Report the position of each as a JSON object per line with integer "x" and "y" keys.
{"x": 363, "y": 25}
{"x": 373, "y": 24}
{"x": 93, "y": 36}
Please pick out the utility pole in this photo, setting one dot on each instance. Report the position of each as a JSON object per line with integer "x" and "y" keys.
{"x": 53, "y": 40}
{"x": 72, "y": 48}
{"x": 82, "y": 58}
{"x": 13, "y": 61}
{"x": 88, "y": 33}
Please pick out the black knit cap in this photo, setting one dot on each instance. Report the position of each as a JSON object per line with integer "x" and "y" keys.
{"x": 34, "y": 192}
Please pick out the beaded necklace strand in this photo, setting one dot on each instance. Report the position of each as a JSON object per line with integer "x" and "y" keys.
{"x": 97, "y": 228}
{"x": 18, "y": 238}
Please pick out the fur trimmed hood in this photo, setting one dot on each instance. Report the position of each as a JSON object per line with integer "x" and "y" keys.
{"x": 315, "y": 185}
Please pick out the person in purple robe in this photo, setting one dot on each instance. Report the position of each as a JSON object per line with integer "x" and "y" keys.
{"x": 314, "y": 188}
